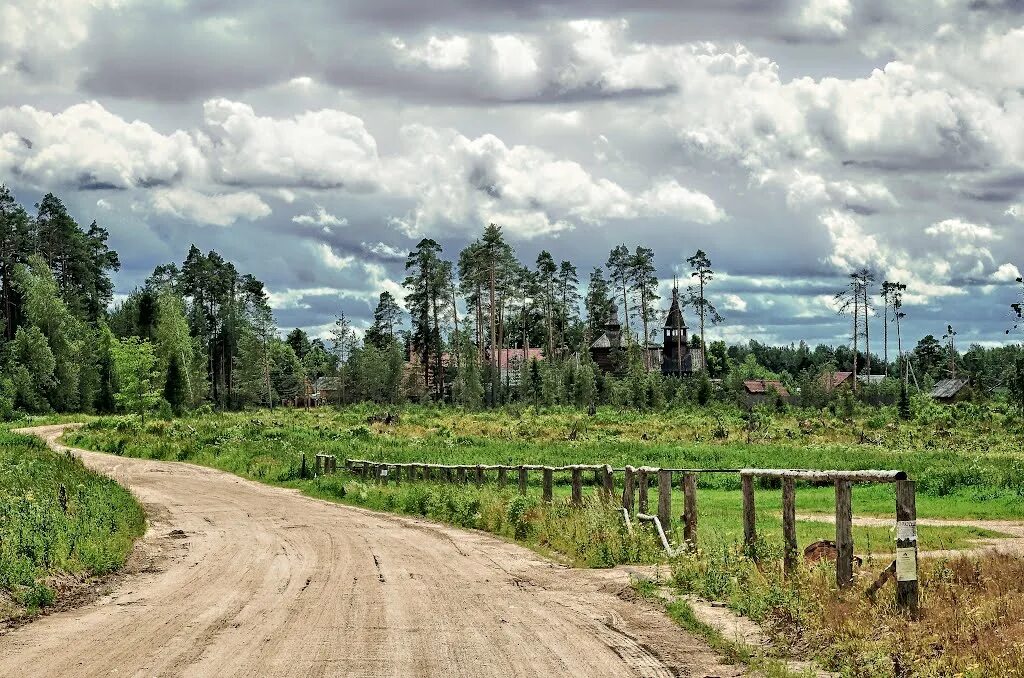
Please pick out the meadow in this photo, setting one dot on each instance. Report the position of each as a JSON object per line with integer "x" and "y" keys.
{"x": 966, "y": 460}
{"x": 58, "y": 520}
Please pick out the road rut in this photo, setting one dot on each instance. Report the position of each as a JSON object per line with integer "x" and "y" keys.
{"x": 237, "y": 578}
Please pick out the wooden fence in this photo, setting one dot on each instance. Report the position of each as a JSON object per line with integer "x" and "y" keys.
{"x": 636, "y": 484}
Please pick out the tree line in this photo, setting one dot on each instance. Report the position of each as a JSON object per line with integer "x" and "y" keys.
{"x": 202, "y": 333}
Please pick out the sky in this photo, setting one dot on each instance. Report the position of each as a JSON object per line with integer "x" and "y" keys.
{"x": 315, "y": 143}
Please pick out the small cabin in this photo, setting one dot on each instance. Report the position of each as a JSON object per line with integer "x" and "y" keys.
{"x": 758, "y": 391}
{"x": 950, "y": 390}
{"x": 830, "y": 381}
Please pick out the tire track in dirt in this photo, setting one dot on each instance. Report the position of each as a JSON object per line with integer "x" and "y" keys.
{"x": 244, "y": 579}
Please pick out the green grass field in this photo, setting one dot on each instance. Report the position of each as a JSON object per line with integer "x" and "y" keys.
{"x": 953, "y": 482}
{"x": 56, "y": 518}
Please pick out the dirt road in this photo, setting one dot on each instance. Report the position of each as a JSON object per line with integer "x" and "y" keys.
{"x": 236, "y": 578}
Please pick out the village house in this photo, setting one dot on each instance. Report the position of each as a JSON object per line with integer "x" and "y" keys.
{"x": 511, "y": 360}
{"x": 830, "y": 381}
{"x": 758, "y": 391}
{"x": 950, "y": 390}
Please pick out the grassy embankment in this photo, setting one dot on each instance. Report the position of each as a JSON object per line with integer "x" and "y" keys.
{"x": 59, "y": 522}
{"x": 973, "y": 607}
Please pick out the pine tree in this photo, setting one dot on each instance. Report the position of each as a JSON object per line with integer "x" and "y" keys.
{"x": 15, "y": 246}
{"x": 546, "y": 278}
{"x": 619, "y": 269}
{"x": 299, "y": 341}
{"x": 700, "y": 264}
{"x": 427, "y": 300}
{"x": 386, "y": 317}
{"x": 597, "y": 302}
{"x": 498, "y": 261}
{"x": 644, "y": 279}
{"x": 569, "y": 297}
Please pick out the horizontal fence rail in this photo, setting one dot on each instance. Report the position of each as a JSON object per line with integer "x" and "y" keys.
{"x": 638, "y": 481}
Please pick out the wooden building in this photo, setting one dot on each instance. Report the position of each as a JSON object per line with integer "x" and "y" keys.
{"x": 677, "y": 356}
{"x": 603, "y": 349}
{"x": 758, "y": 391}
{"x": 673, "y": 356}
{"x": 950, "y": 390}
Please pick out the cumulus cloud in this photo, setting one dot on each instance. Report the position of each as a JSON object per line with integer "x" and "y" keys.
{"x": 962, "y": 232}
{"x": 438, "y": 53}
{"x": 320, "y": 217}
{"x": 295, "y": 298}
{"x": 387, "y": 251}
{"x": 464, "y": 182}
{"x": 87, "y": 147}
{"x": 824, "y": 18}
{"x": 734, "y": 302}
{"x": 220, "y": 209}
{"x": 330, "y": 258}
{"x": 316, "y": 149}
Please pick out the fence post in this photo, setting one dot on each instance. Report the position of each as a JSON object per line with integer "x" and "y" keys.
{"x": 410, "y": 472}
{"x": 665, "y": 498}
{"x": 502, "y": 478}
{"x": 398, "y": 475}
{"x": 319, "y": 465}
{"x": 609, "y": 483}
{"x": 641, "y": 491}
{"x": 302, "y": 471}
{"x": 907, "y": 597}
{"x": 789, "y": 525}
{"x": 548, "y": 483}
{"x": 749, "y": 516}
{"x": 364, "y": 470}
{"x": 628, "y": 490}
{"x": 522, "y": 479}
{"x": 844, "y": 533}
{"x": 577, "y": 487}
{"x": 384, "y": 473}
{"x": 690, "y": 509}
{"x": 479, "y": 475}
{"x": 460, "y": 475}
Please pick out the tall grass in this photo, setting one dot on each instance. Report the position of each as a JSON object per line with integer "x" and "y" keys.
{"x": 57, "y": 517}
{"x": 971, "y": 624}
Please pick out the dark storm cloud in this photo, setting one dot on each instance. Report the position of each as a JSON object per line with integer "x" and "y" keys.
{"x": 194, "y": 50}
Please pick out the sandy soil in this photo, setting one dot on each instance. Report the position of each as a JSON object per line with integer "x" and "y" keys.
{"x": 236, "y": 578}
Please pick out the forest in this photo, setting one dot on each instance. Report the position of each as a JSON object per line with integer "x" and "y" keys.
{"x": 202, "y": 334}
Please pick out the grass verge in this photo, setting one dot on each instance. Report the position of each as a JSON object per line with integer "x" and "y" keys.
{"x": 57, "y": 520}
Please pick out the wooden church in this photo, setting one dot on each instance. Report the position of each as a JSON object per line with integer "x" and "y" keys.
{"x": 674, "y": 356}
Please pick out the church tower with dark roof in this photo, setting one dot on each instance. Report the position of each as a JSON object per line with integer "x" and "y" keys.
{"x": 675, "y": 355}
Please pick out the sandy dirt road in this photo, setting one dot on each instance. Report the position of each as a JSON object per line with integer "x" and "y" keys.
{"x": 236, "y": 578}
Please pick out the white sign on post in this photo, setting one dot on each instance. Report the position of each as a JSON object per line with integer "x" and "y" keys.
{"x": 906, "y": 530}
{"x": 906, "y": 564}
